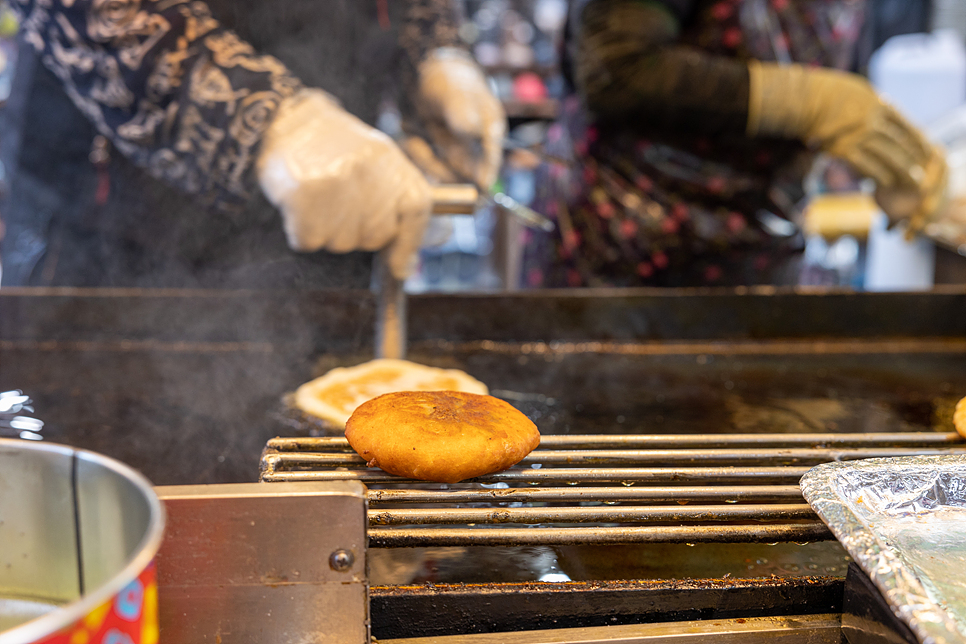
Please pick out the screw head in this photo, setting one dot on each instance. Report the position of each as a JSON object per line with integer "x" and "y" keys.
{"x": 341, "y": 560}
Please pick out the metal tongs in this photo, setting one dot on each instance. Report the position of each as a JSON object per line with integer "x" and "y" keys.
{"x": 455, "y": 199}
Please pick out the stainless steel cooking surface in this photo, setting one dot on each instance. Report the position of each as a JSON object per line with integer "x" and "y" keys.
{"x": 245, "y": 562}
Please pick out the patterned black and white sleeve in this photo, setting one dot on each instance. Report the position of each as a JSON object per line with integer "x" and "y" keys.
{"x": 172, "y": 89}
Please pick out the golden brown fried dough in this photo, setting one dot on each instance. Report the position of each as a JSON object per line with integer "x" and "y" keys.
{"x": 444, "y": 436}
{"x": 959, "y": 417}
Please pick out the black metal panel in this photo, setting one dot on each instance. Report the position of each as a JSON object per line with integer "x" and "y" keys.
{"x": 346, "y": 317}
{"x": 309, "y": 321}
{"x": 866, "y": 617}
{"x": 688, "y": 314}
{"x": 438, "y": 610}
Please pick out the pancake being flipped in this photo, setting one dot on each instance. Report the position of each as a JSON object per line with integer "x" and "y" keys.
{"x": 334, "y": 396}
{"x": 443, "y": 436}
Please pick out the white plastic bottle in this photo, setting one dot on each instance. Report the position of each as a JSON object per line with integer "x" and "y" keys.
{"x": 924, "y": 76}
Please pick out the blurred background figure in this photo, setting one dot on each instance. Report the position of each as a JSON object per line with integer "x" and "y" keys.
{"x": 680, "y": 160}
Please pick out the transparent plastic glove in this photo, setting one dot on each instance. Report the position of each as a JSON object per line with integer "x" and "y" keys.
{"x": 340, "y": 184}
{"x": 844, "y": 115}
{"x": 465, "y": 121}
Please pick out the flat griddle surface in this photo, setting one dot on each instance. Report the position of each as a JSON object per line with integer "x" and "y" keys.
{"x": 187, "y": 386}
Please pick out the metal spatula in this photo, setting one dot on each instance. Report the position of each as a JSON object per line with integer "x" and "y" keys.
{"x": 390, "y": 296}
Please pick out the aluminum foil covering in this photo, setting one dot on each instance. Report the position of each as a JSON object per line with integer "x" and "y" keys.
{"x": 903, "y": 520}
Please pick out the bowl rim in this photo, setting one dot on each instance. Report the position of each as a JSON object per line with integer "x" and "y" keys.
{"x": 63, "y": 616}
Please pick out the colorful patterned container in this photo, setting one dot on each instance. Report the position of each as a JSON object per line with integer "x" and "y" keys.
{"x": 78, "y": 537}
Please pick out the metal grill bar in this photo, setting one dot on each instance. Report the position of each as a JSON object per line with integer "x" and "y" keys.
{"x": 603, "y": 458}
{"x": 744, "y": 493}
{"x": 536, "y": 516}
{"x": 687, "y": 441}
{"x": 748, "y": 483}
{"x": 573, "y": 476}
{"x": 803, "y": 532}
{"x": 798, "y": 629}
{"x": 783, "y": 348}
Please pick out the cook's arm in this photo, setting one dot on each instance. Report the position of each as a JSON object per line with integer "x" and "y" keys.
{"x": 174, "y": 91}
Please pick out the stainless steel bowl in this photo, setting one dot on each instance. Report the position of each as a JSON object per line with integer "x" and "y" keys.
{"x": 76, "y": 530}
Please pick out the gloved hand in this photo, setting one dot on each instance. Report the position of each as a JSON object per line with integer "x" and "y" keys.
{"x": 340, "y": 184}
{"x": 844, "y": 115}
{"x": 465, "y": 122}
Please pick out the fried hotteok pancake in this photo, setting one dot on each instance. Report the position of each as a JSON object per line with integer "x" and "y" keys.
{"x": 444, "y": 436}
{"x": 334, "y": 396}
{"x": 959, "y": 417}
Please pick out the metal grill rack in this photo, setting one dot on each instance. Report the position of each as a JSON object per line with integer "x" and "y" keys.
{"x": 606, "y": 489}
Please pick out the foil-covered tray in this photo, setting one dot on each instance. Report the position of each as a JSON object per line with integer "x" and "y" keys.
{"x": 903, "y": 520}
